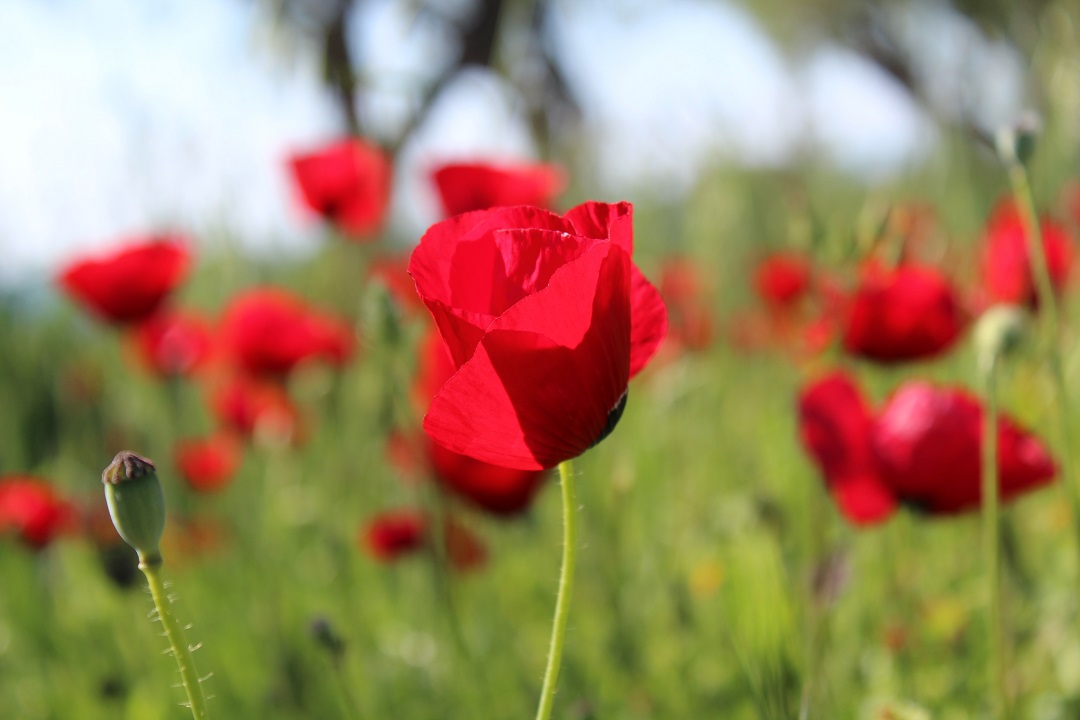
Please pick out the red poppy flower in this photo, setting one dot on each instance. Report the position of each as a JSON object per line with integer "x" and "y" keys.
{"x": 31, "y": 509}
{"x": 255, "y": 408}
{"x": 268, "y": 332}
{"x": 690, "y": 322}
{"x": 128, "y": 285}
{"x": 782, "y": 280}
{"x": 347, "y": 182}
{"x": 1006, "y": 265}
{"x": 173, "y": 342}
{"x": 546, "y": 318}
{"x": 391, "y": 535}
{"x": 904, "y": 314}
{"x": 922, "y": 450}
{"x": 208, "y": 464}
{"x": 478, "y": 186}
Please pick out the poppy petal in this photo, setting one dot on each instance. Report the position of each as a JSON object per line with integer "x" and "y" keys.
{"x": 648, "y": 320}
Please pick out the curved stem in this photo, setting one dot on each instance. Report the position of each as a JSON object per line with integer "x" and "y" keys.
{"x": 150, "y": 565}
{"x": 991, "y": 546}
{"x": 566, "y": 583}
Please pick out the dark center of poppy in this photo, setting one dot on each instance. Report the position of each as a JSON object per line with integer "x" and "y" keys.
{"x": 612, "y": 419}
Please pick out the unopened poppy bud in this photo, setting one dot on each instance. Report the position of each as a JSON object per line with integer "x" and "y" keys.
{"x": 1016, "y": 142}
{"x": 999, "y": 332}
{"x": 136, "y": 502}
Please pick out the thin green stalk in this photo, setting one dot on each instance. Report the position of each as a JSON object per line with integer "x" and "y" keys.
{"x": 1048, "y": 304}
{"x": 150, "y": 565}
{"x": 566, "y": 583}
{"x": 991, "y": 547}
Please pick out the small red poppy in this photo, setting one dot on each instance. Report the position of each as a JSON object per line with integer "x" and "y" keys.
{"x": 391, "y": 535}
{"x": 208, "y": 464}
{"x": 31, "y": 509}
{"x": 690, "y": 322}
{"x": 347, "y": 183}
{"x": 1006, "y": 264}
{"x": 173, "y": 342}
{"x": 268, "y": 332}
{"x": 922, "y": 450}
{"x": 254, "y": 408}
{"x": 464, "y": 187}
{"x": 909, "y": 313}
{"x": 130, "y": 284}
{"x": 546, "y": 318}
{"x": 782, "y": 280}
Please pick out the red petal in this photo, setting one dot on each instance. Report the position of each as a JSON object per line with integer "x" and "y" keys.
{"x": 648, "y": 321}
{"x": 605, "y": 220}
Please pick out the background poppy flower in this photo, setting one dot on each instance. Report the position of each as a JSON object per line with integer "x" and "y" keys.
{"x": 208, "y": 464}
{"x": 1006, "y": 264}
{"x": 478, "y": 186}
{"x": 173, "y": 342}
{"x": 391, "y": 535}
{"x": 251, "y": 407}
{"x": 31, "y": 509}
{"x": 130, "y": 284}
{"x": 347, "y": 183}
{"x": 909, "y": 313}
{"x": 546, "y": 318}
{"x": 690, "y": 322}
{"x": 268, "y": 332}
{"x": 782, "y": 279}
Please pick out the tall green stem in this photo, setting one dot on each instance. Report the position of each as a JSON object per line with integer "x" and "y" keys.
{"x": 1048, "y": 304}
{"x": 566, "y": 584}
{"x": 992, "y": 545}
{"x": 150, "y": 565}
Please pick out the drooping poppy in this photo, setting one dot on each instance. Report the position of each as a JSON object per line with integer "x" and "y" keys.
{"x": 907, "y": 313}
{"x": 173, "y": 342}
{"x": 546, "y": 318}
{"x": 1006, "y": 263}
{"x": 347, "y": 183}
{"x": 781, "y": 280}
{"x": 128, "y": 285}
{"x": 208, "y": 464}
{"x": 464, "y": 187}
{"x": 268, "y": 331}
{"x": 31, "y": 509}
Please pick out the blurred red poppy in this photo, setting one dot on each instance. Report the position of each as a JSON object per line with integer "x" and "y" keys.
{"x": 546, "y": 318}
{"x": 269, "y": 331}
{"x": 128, "y": 285}
{"x": 782, "y": 280}
{"x": 173, "y": 342}
{"x": 391, "y": 535}
{"x": 478, "y": 186}
{"x": 690, "y": 321}
{"x": 254, "y": 408}
{"x": 31, "y": 509}
{"x": 909, "y": 313}
{"x": 1007, "y": 270}
{"x": 208, "y": 464}
{"x": 347, "y": 183}
{"x": 922, "y": 450}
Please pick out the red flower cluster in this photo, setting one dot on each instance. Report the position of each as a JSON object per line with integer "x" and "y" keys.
{"x": 32, "y": 510}
{"x": 464, "y": 187}
{"x": 347, "y": 183}
{"x": 921, "y": 450}
{"x": 546, "y": 319}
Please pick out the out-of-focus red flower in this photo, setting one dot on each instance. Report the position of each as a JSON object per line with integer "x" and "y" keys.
{"x": 782, "y": 280}
{"x": 392, "y": 535}
{"x": 191, "y": 539}
{"x": 128, "y": 285}
{"x": 546, "y": 318}
{"x": 690, "y": 320}
{"x": 208, "y": 464}
{"x": 173, "y": 342}
{"x": 254, "y": 408}
{"x": 347, "y": 183}
{"x": 464, "y": 549}
{"x": 1006, "y": 264}
{"x": 478, "y": 186}
{"x": 31, "y": 509}
{"x": 922, "y": 450}
{"x": 909, "y": 313}
{"x": 267, "y": 332}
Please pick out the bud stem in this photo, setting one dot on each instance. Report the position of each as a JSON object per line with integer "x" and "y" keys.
{"x": 992, "y": 544}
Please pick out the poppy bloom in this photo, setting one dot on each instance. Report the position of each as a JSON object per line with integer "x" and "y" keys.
{"x": 130, "y": 284}
{"x": 31, "y": 509}
{"x": 347, "y": 183}
{"x": 782, "y": 280}
{"x": 1006, "y": 264}
{"x": 922, "y": 450}
{"x": 546, "y": 318}
{"x": 464, "y": 187}
{"x": 268, "y": 332}
{"x": 173, "y": 342}
{"x": 690, "y": 323}
{"x": 908, "y": 313}
{"x": 396, "y": 534}
{"x": 208, "y": 464}
{"x": 253, "y": 408}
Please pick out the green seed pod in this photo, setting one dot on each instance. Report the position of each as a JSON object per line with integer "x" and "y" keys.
{"x": 1016, "y": 143}
{"x": 136, "y": 503}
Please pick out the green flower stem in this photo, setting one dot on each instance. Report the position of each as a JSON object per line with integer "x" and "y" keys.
{"x": 992, "y": 545}
{"x": 1048, "y": 304}
{"x": 566, "y": 583}
{"x": 150, "y": 565}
